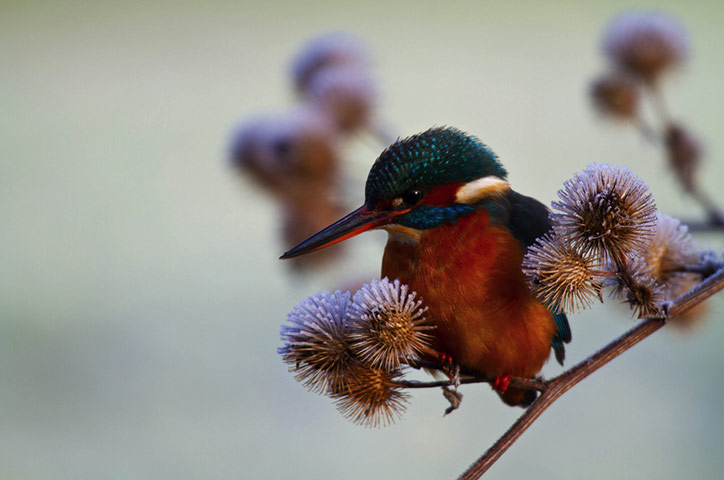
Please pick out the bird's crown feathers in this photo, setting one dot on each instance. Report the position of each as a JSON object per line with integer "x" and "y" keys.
{"x": 434, "y": 158}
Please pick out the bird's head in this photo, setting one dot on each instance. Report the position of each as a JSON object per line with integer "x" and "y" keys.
{"x": 418, "y": 183}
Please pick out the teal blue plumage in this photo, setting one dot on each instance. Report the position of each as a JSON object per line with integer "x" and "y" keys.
{"x": 441, "y": 155}
{"x": 457, "y": 236}
{"x": 447, "y": 155}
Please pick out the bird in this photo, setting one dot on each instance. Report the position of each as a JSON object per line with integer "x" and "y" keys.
{"x": 457, "y": 234}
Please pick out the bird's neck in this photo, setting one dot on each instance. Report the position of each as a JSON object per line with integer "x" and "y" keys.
{"x": 408, "y": 248}
{"x": 429, "y": 220}
{"x": 402, "y": 234}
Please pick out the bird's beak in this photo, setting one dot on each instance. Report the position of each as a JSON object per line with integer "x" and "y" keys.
{"x": 346, "y": 227}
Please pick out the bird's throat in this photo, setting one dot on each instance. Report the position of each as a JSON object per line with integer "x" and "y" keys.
{"x": 400, "y": 233}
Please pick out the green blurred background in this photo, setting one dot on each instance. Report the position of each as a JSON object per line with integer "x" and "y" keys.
{"x": 140, "y": 291}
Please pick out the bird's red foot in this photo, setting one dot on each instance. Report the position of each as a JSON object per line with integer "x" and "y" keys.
{"x": 445, "y": 359}
{"x": 447, "y": 364}
{"x": 500, "y": 382}
{"x": 450, "y": 368}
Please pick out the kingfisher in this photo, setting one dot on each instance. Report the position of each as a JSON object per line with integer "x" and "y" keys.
{"x": 457, "y": 234}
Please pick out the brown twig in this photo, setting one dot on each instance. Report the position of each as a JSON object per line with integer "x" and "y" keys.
{"x": 648, "y": 132}
{"x": 529, "y": 383}
{"x": 658, "y": 102}
{"x": 467, "y": 377}
{"x": 561, "y": 384}
{"x": 704, "y": 270}
{"x": 715, "y": 214}
{"x": 703, "y": 226}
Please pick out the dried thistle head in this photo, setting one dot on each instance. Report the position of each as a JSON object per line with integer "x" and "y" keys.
{"x": 671, "y": 249}
{"x": 346, "y": 95}
{"x": 561, "y": 276}
{"x": 606, "y": 210}
{"x": 635, "y": 284}
{"x": 332, "y": 50}
{"x": 315, "y": 341}
{"x": 369, "y": 396}
{"x": 387, "y": 325}
{"x": 288, "y": 152}
{"x": 616, "y": 95}
{"x": 684, "y": 152}
{"x": 645, "y": 44}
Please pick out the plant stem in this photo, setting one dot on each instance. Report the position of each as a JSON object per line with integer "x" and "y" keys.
{"x": 530, "y": 383}
{"x": 702, "y": 226}
{"x": 716, "y": 216}
{"x": 561, "y": 384}
{"x": 659, "y": 104}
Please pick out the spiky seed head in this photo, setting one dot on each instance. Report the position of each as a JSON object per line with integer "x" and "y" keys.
{"x": 561, "y": 276}
{"x": 287, "y": 153}
{"x": 671, "y": 249}
{"x": 331, "y": 50}
{"x": 315, "y": 341}
{"x": 637, "y": 286}
{"x": 616, "y": 95}
{"x": 387, "y": 326}
{"x": 347, "y": 95}
{"x": 369, "y": 396}
{"x": 606, "y": 210}
{"x": 684, "y": 152}
{"x": 645, "y": 44}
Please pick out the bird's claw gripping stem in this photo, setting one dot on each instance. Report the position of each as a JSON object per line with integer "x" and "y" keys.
{"x": 501, "y": 382}
{"x": 445, "y": 359}
{"x": 450, "y": 368}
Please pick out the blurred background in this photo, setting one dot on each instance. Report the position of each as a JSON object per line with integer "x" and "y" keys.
{"x": 140, "y": 291}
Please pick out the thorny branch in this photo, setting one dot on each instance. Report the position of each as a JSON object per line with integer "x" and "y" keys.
{"x": 559, "y": 385}
{"x": 703, "y": 226}
{"x": 715, "y": 216}
{"x": 529, "y": 383}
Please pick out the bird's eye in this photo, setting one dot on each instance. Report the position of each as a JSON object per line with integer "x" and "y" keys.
{"x": 411, "y": 197}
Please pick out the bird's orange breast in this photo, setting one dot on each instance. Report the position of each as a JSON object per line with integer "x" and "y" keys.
{"x": 468, "y": 274}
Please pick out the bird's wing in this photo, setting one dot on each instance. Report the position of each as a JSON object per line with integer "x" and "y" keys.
{"x": 529, "y": 220}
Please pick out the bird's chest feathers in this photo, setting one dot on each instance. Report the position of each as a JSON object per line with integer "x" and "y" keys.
{"x": 468, "y": 274}
{"x": 470, "y": 249}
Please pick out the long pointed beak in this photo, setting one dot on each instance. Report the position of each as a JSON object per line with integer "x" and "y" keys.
{"x": 353, "y": 224}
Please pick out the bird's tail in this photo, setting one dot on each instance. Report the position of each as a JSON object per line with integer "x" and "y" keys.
{"x": 518, "y": 397}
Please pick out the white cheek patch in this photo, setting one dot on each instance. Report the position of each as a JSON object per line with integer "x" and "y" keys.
{"x": 473, "y": 192}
